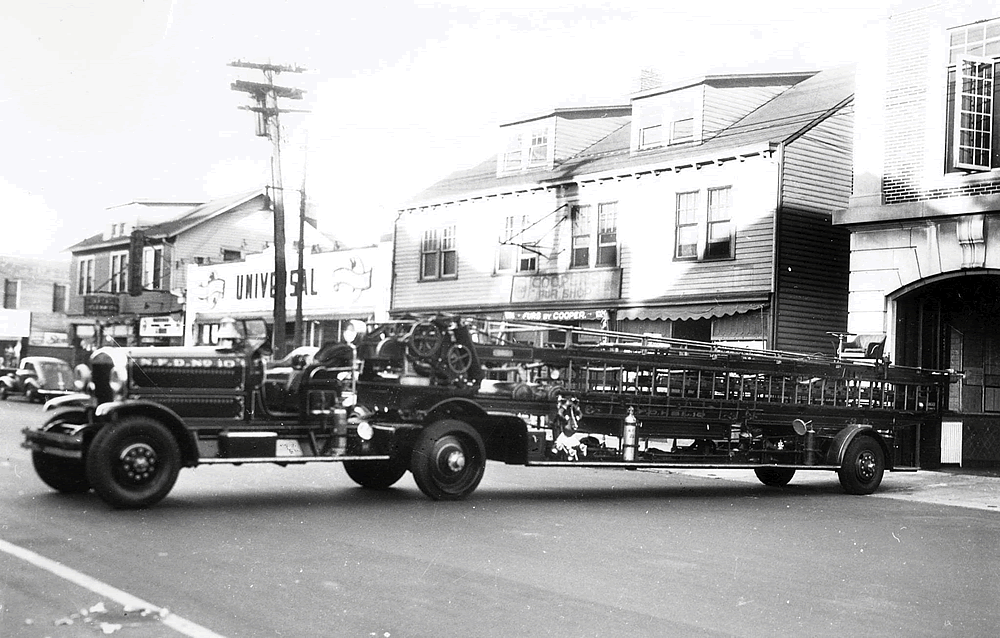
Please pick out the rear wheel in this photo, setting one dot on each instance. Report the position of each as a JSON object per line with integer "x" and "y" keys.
{"x": 448, "y": 460}
{"x": 774, "y": 476}
{"x": 31, "y": 394}
{"x": 375, "y": 475}
{"x": 863, "y": 466}
{"x": 133, "y": 463}
{"x": 63, "y": 475}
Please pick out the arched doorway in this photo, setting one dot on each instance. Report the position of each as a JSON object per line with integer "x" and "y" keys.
{"x": 953, "y": 321}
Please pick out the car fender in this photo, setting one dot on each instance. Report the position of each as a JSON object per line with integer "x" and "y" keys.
{"x": 116, "y": 410}
{"x": 838, "y": 446}
{"x": 75, "y": 400}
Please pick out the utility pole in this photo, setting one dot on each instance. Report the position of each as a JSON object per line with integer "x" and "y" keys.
{"x": 265, "y": 105}
{"x": 299, "y": 332}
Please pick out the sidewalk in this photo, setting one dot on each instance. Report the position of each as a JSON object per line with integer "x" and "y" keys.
{"x": 975, "y": 489}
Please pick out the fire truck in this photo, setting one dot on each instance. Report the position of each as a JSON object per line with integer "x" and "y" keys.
{"x": 440, "y": 395}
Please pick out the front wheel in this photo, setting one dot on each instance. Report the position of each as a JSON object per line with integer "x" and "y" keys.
{"x": 448, "y": 460}
{"x": 375, "y": 475}
{"x": 863, "y": 466}
{"x": 63, "y": 475}
{"x": 133, "y": 463}
{"x": 774, "y": 476}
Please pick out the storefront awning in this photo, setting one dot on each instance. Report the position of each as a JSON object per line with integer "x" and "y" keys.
{"x": 692, "y": 311}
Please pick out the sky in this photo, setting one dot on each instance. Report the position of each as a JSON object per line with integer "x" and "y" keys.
{"x": 105, "y": 103}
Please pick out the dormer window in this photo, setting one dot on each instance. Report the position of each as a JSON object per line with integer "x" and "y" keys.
{"x": 528, "y": 148}
{"x": 682, "y": 130}
{"x": 665, "y": 119}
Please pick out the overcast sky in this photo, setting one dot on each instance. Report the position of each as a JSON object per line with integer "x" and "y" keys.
{"x": 103, "y": 103}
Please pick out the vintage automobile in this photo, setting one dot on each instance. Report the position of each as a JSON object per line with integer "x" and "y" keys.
{"x": 38, "y": 379}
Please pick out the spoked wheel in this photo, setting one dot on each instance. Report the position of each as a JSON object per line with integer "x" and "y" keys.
{"x": 459, "y": 359}
{"x": 448, "y": 460}
{"x": 774, "y": 476}
{"x": 63, "y": 475}
{"x": 425, "y": 340}
{"x": 375, "y": 475}
{"x": 863, "y": 466}
{"x": 133, "y": 463}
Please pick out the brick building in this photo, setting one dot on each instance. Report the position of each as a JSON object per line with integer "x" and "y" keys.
{"x": 33, "y": 315}
{"x": 924, "y": 217}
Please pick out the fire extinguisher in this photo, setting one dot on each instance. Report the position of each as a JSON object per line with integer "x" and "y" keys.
{"x": 629, "y": 436}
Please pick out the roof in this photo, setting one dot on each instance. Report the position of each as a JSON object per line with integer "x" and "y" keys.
{"x": 778, "y": 121}
{"x": 188, "y": 217}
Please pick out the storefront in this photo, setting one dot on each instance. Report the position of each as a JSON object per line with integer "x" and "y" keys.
{"x": 335, "y": 287}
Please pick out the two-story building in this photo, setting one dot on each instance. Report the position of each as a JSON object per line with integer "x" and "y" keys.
{"x": 128, "y": 284}
{"x": 924, "y": 217}
{"x": 33, "y": 315}
{"x": 698, "y": 210}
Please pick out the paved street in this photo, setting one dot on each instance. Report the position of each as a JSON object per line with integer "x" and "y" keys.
{"x": 270, "y": 551}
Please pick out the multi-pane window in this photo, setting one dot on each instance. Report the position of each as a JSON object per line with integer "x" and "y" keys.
{"x": 512, "y": 155}
{"x": 152, "y": 267}
{"x": 705, "y": 233}
{"x": 515, "y": 246}
{"x": 85, "y": 276}
{"x": 607, "y": 234}
{"x": 973, "y": 110}
{"x": 119, "y": 272}
{"x": 538, "y": 152}
{"x": 687, "y": 226}
{"x": 580, "y": 257}
{"x": 10, "y": 290}
{"x": 438, "y": 256}
{"x": 59, "y": 297}
{"x": 720, "y": 227}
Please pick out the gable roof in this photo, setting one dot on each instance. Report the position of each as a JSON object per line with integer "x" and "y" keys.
{"x": 190, "y": 215}
{"x": 777, "y": 121}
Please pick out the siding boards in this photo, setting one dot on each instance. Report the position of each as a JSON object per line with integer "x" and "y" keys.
{"x": 813, "y": 256}
{"x": 573, "y": 135}
{"x": 724, "y": 106}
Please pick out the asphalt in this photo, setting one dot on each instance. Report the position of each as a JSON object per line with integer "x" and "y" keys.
{"x": 957, "y": 487}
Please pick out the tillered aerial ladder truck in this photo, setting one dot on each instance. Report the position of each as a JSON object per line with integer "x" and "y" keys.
{"x": 438, "y": 396}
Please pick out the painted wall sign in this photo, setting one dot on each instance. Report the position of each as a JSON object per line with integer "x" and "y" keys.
{"x": 583, "y": 285}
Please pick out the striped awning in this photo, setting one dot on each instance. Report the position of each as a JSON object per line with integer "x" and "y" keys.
{"x": 692, "y": 311}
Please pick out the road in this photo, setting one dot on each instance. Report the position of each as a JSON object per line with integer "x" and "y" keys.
{"x": 270, "y": 551}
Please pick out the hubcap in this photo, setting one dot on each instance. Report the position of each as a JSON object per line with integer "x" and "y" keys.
{"x": 866, "y": 466}
{"x": 138, "y": 462}
{"x": 455, "y": 461}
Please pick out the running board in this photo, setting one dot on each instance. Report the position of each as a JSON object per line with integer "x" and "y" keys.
{"x": 285, "y": 460}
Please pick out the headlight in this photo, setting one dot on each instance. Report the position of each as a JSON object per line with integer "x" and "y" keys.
{"x": 348, "y": 399}
{"x": 365, "y": 431}
{"x": 117, "y": 381}
{"x": 81, "y": 377}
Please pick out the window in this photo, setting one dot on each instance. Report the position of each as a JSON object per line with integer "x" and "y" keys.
{"x": 152, "y": 267}
{"x": 607, "y": 234}
{"x": 59, "y": 297}
{"x": 512, "y": 156}
{"x": 10, "y": 290}
{"x": 119, "y": 272}
{"x": 687, "y": 226}
{"x": 538, "y": 153}
{"x": 231, "y": 255}
{"x": 650, "y": 126}
{"x": 85, "y": 277}
{"x": 705, "y": 234}
{"x": 682, "y": 130}
{"x": 514, "y": 245}
{"x": 438, "y": 257}
{"x": 580, "y": 257}
{"x": 973, "y": 109}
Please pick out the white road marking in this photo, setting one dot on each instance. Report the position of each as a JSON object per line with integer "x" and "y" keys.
{"x": 175, "y": 622}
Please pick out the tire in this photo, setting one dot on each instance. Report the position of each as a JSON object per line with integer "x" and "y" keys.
{"x": 133, "y": 463}
{"x": 863, "y": 466}
{"x": 774, "y": 476}
{"x": 375, "y": 475}
{"x": 31, "y": 394}
{"x": 3, "y": 392}
{"x": 448, "y": 460}
{"x": 63, "y": 475}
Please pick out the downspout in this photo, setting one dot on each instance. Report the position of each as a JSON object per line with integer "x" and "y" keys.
{"x": 392, "y": 271}
{"x": 779, "y": 153}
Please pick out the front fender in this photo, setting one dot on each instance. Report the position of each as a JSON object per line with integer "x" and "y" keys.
{"x": 75, "y": 400}
{"x": 116, "y": 410}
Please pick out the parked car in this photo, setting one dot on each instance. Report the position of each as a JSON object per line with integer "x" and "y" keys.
{"x": 38, "y": 379}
